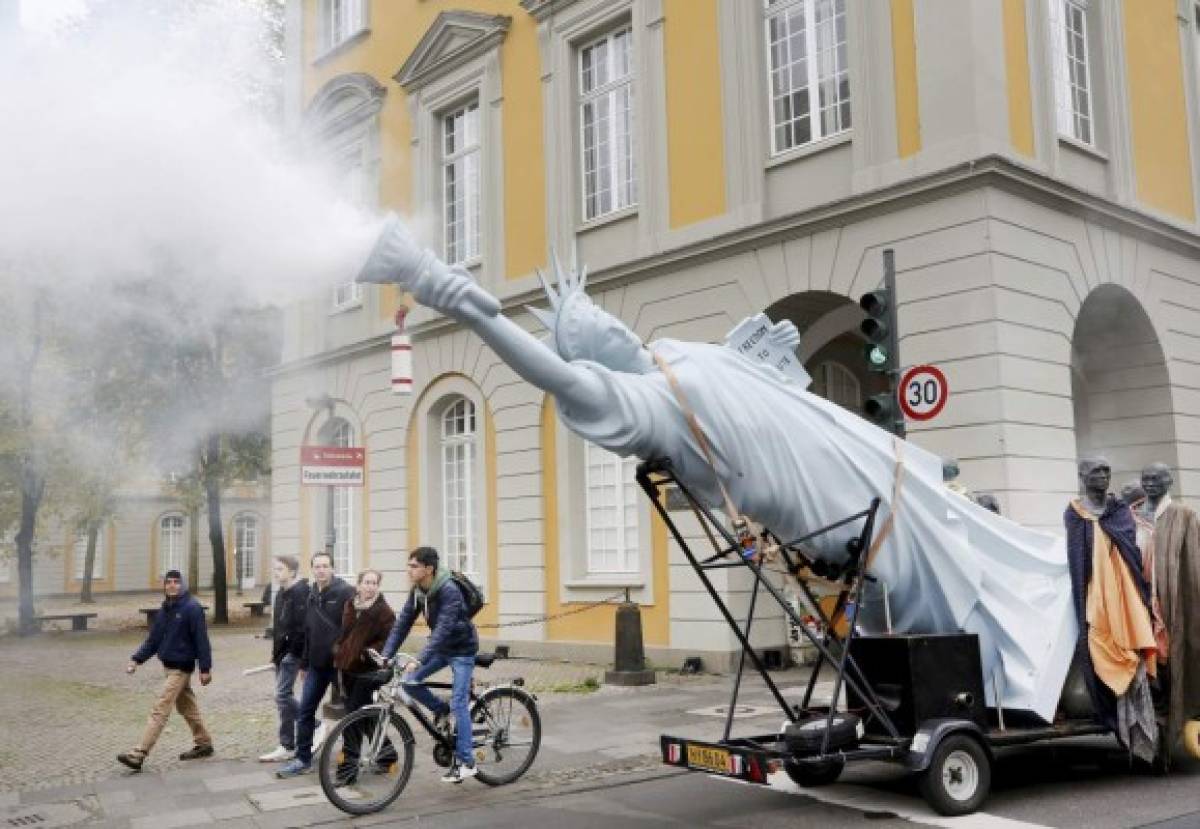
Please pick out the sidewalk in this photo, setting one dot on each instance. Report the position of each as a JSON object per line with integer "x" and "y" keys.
{"x": 586, "y": 737}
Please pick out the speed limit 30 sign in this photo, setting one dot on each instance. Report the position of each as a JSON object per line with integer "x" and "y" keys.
{"x": 923, "y": 392}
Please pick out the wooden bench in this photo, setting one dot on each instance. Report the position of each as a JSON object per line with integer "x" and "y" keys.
{"x": 79, "y": 621}
{"x": 256, "y": 608}
{"x": 152, "y": 612}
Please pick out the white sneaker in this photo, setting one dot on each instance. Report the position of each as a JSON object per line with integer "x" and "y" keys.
{"x": 318, "y": 736}
{"x": 458, "y": 773}
{"x": 277, "y": 756}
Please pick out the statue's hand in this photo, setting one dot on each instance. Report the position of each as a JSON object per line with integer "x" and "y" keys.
{"x": 453, "y": 291}
{"x": 784, "y": 334}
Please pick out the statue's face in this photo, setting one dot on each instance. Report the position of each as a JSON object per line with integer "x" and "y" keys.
{"x": 1096, "y": 476}
{"x": 587, "y": 332}
{"x": 1156, "y": 482}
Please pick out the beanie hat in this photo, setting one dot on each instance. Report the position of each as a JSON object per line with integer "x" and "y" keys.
{"x": 172, "y": 574}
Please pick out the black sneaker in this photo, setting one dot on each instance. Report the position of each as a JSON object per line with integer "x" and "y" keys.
{"x": 131, "y": 760}
{"x": 196, "y": 752}
{"x": 443, "y": 723}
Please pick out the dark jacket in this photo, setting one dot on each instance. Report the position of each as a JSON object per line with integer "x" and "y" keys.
{"x": 362, "y": 629}
{"x": 179, "y": 636}
{"x": 287, "y": 622}
{"x": 451, "y": 632}
{"x": 323, "y": 622}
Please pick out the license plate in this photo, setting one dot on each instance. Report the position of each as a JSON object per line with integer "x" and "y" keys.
{"x": 709, "y": 759}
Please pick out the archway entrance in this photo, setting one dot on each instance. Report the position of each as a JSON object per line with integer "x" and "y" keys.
{"x": 1120, "y": 387}
{"x": 831, "y": 346}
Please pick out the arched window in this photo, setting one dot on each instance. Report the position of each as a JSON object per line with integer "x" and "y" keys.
{"x": 458, "y": 452}
{"x": 245, "y": 547}
{"x": 612, "y": 512}
{"x": 171, "y": 553}
{"x": 342, "y": 434}
{"x": 837, "y": 384}
{"x": 80, "y": 555}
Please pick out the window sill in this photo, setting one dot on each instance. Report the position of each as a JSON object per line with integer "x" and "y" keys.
{"x": 471, "y": 264}
{"x": 812, "y": 148}
{"x": 633, "y": 581}
{"x": 607, "y": 218}
{"x": 342, "y": 309}
{"x": 344, "y": 46}
{"x": 1086, "y": 149}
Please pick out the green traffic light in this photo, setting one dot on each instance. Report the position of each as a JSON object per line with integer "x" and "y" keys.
{"x": 877, "y": 355}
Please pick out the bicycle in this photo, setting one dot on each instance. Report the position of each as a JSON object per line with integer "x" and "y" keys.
{"x": 367, "y": 757}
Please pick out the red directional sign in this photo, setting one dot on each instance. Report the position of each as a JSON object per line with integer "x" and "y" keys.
{"x": 923, "y": 392}
{"x": 332, "y": 465}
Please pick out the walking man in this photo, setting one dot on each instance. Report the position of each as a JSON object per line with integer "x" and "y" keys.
{"x": 326, "y": 603}
{"x": 179, "y": 638}
{"x": 452, "y": 641}
{"x": 287, "y": 649}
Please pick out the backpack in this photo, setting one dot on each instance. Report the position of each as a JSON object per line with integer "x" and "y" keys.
{"x": 472, "y": 596}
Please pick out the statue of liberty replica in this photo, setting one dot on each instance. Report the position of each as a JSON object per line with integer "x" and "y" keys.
{"x": 790, "y": 461}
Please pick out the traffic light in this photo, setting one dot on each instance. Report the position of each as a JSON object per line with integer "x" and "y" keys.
{"x": 881, "y": 349}
{"x": 878, "y": 328}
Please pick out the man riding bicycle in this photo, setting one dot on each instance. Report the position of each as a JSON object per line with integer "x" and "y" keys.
{"x": 452, "y": 641}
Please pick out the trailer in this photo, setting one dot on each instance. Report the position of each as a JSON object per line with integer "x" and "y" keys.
{"x": 917, "y": 700}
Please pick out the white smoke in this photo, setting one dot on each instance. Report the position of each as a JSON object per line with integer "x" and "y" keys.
{"x": 133, "y": 145}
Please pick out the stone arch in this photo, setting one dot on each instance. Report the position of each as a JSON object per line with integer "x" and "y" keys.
{"x": 831, "y": 345}
{"x": 426, "y": 484}
{"x": 1120, "y": 385}
{"x": 342, "y": 103}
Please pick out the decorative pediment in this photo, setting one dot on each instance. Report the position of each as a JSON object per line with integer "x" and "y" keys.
{"x": 452, "y": 40}
{"x": 342, "y": 102}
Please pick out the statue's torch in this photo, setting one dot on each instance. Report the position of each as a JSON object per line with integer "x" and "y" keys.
{"x": 402, "y": 362}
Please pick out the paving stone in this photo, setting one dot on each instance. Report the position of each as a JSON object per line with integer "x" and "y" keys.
{"x": 234, "y": 782}
{"x": 237, "y": 808}
{"x": 173, "y": 819}
{"x": 270, "y": 800}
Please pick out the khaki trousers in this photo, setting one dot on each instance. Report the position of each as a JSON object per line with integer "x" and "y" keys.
{"x": 177, "y": 692}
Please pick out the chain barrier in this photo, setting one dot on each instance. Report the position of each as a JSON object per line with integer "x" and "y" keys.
{"x": 550, "y": 617}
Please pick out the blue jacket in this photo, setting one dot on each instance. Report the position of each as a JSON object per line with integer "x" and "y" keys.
{"x": 179, "y": 636}
{"x": 451, "y": 632}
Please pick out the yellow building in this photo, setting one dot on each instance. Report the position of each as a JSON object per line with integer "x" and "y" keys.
{"x": 1031, "y": 162}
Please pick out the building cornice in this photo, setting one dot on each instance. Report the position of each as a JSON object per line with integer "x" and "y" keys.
{"x": 989, "y": 171}
{"x": 542, "y": 9}
{"x": 454, "y": 39}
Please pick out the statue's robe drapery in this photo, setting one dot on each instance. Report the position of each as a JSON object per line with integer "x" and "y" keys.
{"x": 1111, "y": 597}
{"x": 1177, "y": 572}
{"x": 794, "y": 462}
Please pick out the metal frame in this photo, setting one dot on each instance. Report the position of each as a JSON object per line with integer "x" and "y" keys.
{"x": 653, "y": 477}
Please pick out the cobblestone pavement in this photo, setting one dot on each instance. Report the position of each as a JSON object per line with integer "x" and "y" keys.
{"x": 67, "y": 706}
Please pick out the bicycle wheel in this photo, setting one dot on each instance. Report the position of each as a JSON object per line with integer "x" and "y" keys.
{"x": 366, "y": 760}
{"x": 507, "y": 732}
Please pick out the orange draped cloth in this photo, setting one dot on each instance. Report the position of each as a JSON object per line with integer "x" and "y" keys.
{"x": 1120, "y": 634}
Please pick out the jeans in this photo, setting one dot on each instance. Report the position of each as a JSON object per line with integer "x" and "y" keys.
{"x": 285, "y": 699}
{"x": 316, "y": 683}
{"x": 357, "y": 691}
{"x": 460, "y": 698}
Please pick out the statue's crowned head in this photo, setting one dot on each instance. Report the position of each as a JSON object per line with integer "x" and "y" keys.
{"x": 582, "y": 330}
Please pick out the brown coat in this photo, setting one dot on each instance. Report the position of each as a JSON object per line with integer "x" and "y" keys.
{"x": 1177, "y": 567}
{"x": 361, "y": 630}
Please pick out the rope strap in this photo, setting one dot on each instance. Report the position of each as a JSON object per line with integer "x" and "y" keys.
{"x": 698, "y": 433}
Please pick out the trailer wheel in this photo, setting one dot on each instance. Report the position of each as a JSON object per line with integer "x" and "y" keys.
{"x": 958, "y": 778}
{"x": 811, "y": 775}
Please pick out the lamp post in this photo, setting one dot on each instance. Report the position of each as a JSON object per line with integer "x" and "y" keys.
{"x": 334, "y": 709}
{"x": 326, "y": 402}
